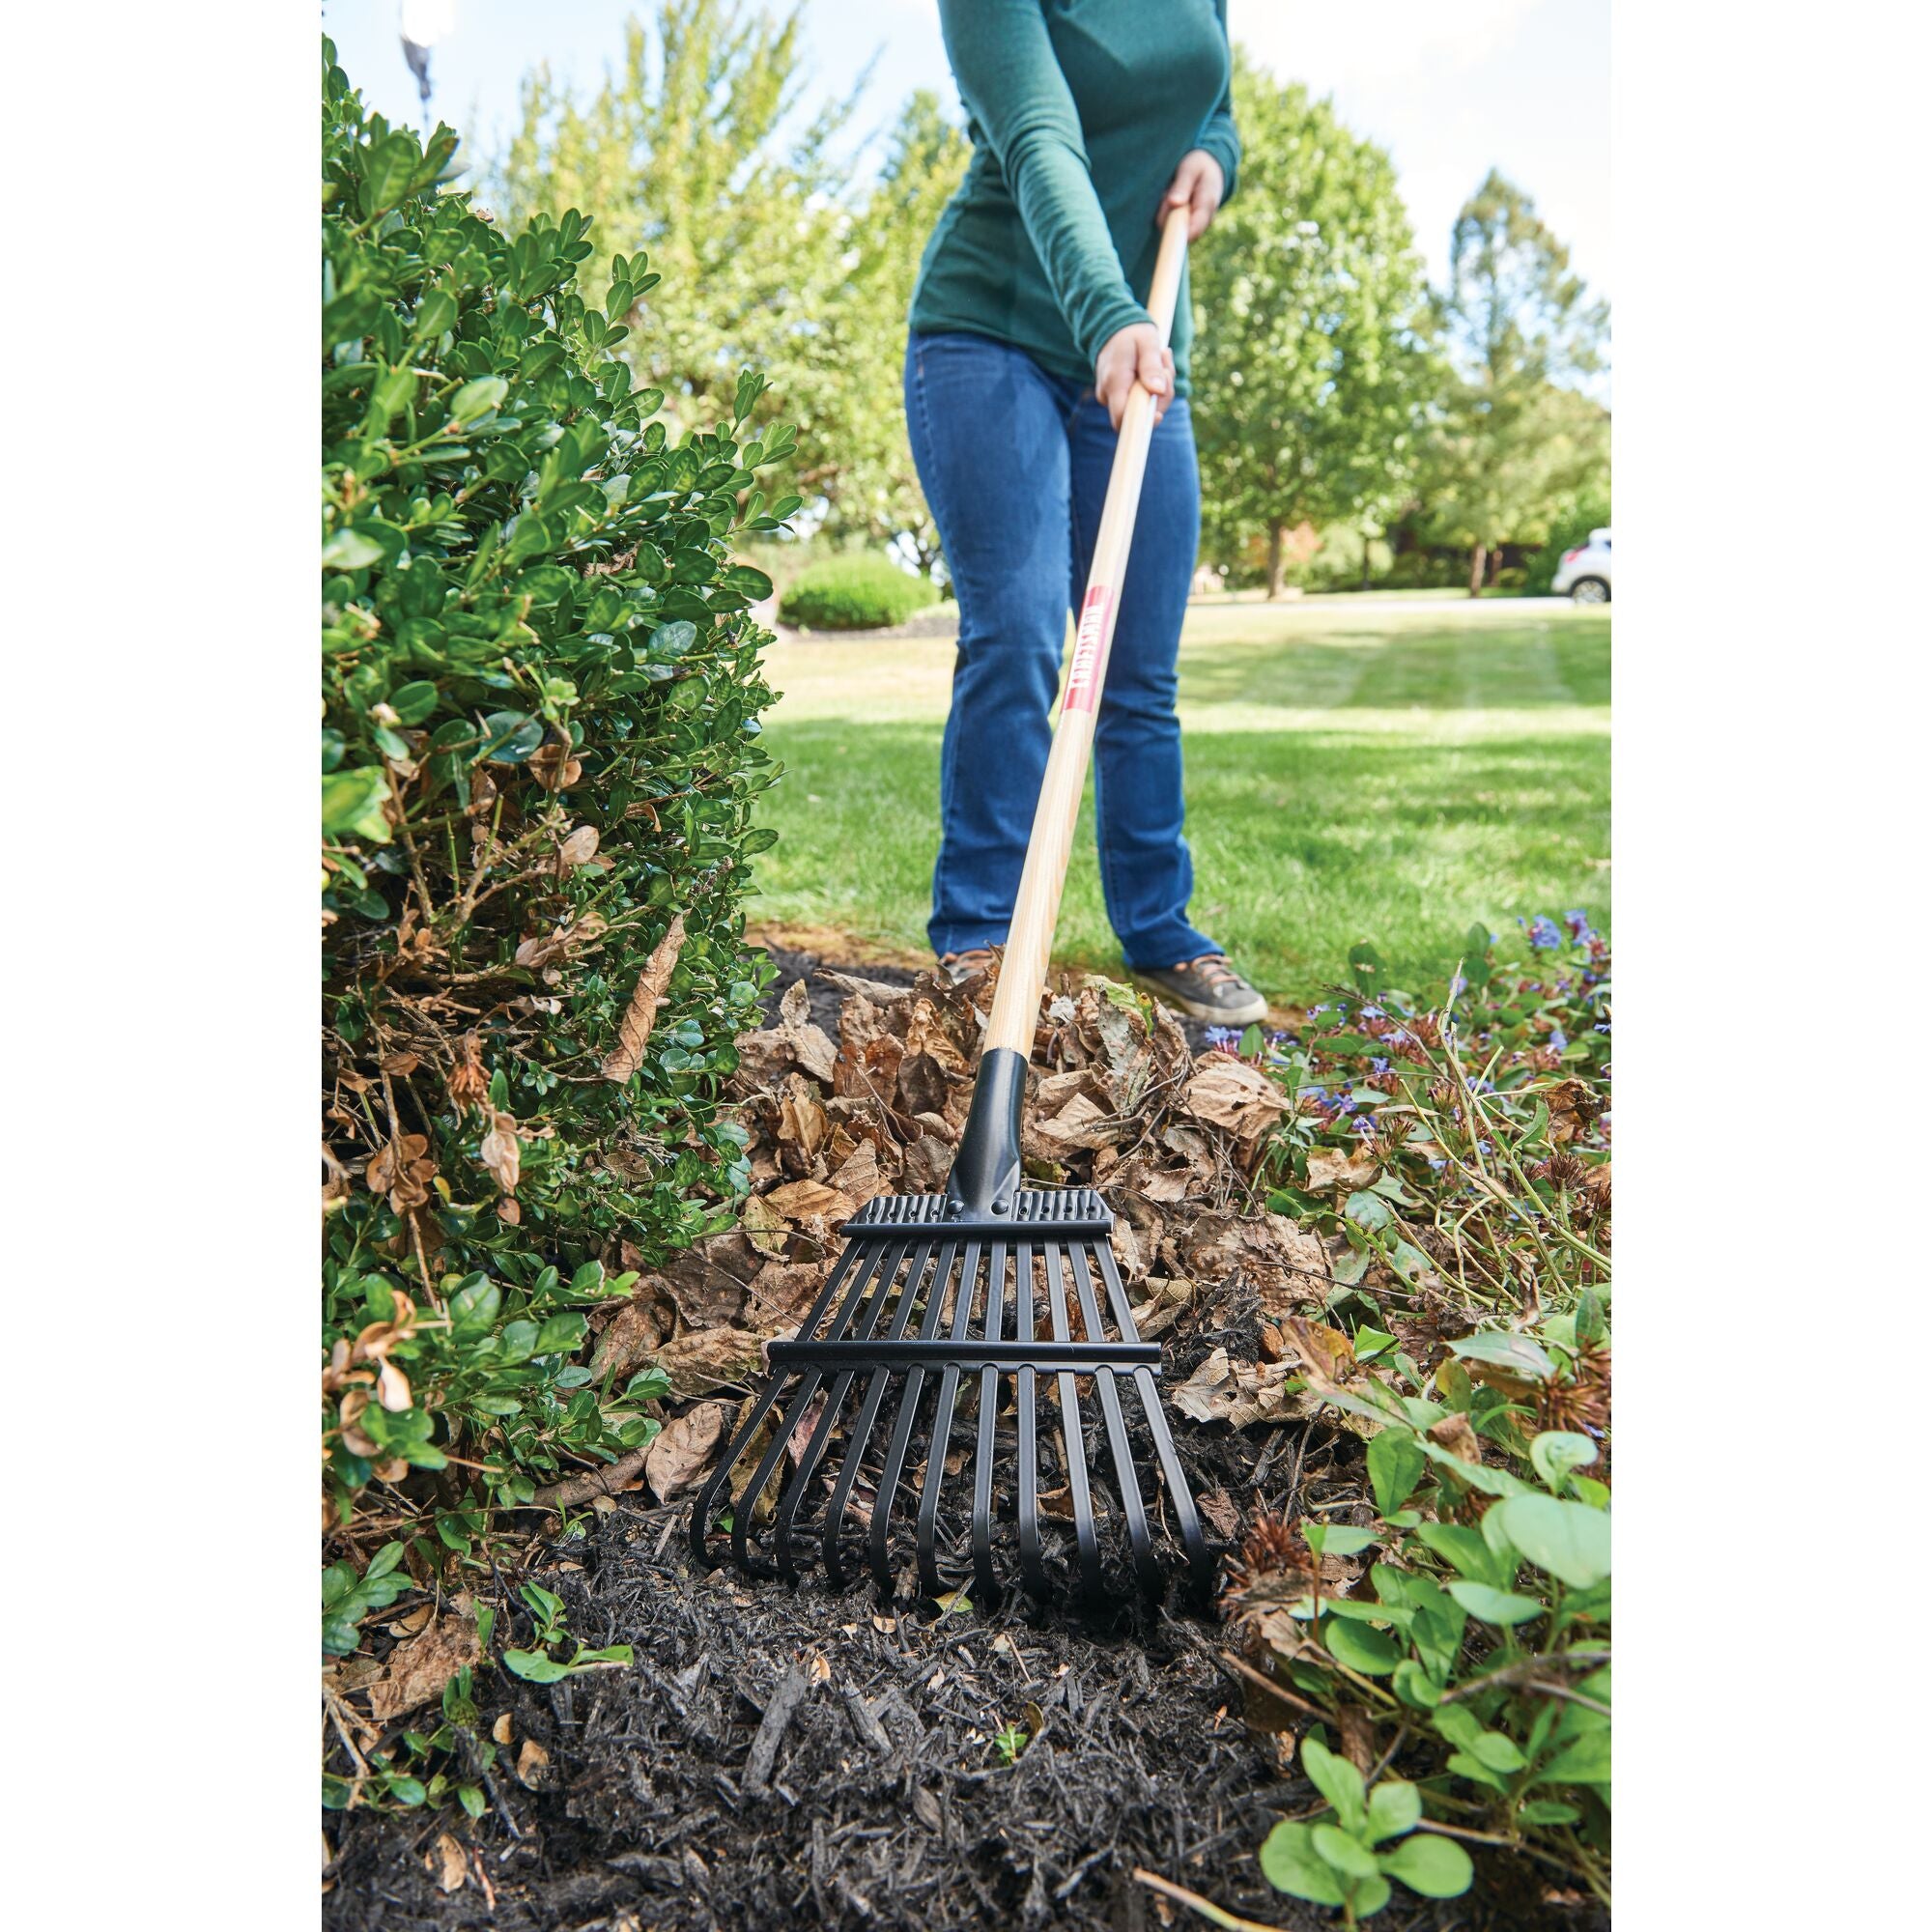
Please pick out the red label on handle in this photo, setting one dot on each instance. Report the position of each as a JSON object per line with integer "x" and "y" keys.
{"x": 1083, "y": 689}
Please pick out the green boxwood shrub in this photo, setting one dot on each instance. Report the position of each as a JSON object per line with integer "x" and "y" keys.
{"x": 854, "y": 593}
{"x": 541, "y": 695}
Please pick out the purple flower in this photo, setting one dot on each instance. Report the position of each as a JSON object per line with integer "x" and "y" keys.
{"x": 1226, "y": 1038}
{"x": 1371, "y": 1013}
{"x": 1545, "y": 934}
{"x": 1379, "y": 1066}
{"x": 1365, "y": 1123}
{"x": 1557, "y": 1041}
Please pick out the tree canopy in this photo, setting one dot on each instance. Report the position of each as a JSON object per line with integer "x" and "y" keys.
{"x": 1518, "y": 440}
{"x": 1309, "y": 368}
{"x": 1334, "y": 391}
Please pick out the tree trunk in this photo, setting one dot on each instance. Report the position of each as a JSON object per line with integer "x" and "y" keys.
{"x": 1277, "y": 561}
{"x": 1479, "y": 556}
{"x": 1367, "y": 540}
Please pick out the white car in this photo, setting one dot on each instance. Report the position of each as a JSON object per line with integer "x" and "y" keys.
{"x": 1584, "y": 574}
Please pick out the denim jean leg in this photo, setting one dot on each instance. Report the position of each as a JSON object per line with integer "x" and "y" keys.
{"x": 1146, "y": 869}
{"x": 990, "y": 443}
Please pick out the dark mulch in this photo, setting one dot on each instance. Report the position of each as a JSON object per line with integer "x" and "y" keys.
{"x": 781, "y": 1758}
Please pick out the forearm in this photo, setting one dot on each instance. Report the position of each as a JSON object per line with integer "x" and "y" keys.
{"x": 1010, "y": 81}
{"x": 1054, "y": 193}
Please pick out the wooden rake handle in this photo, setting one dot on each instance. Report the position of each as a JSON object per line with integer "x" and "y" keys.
{"x": 1036, "y": 910}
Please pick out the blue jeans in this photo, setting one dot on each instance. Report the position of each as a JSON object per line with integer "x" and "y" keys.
{"x": 1014, "y": 466}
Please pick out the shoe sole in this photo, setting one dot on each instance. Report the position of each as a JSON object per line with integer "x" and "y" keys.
{"x": 1199, "y": 1009}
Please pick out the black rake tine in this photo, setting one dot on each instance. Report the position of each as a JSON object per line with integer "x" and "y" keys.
{"x": 903, "y": 1427}
{"x": 807, "y": 1387}
{"x": 808, "y": 1466}
{"x": 874, "y": 1290}
{"x": 1200, "y": 1558}
{"x": 984, "y": 1580}
{"x": 706, "y": 1506}
{"x": 1085, "y": 1533}
{"x": 1145, "y": 1563}
{"x": 869, "y": 1407}
{"x": 942, "y": 1428}
{"x": 1031, "y": 1570}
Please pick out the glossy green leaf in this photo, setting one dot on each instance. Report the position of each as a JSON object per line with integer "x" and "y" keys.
{"x": 476, "y": 398}
{"x": 1394, "y": 1808}
{"x": 1336, "y": 1778}
{"x": 1347, "y": 1855}
{"x": 1291, "y": 1864}
{"x": 1360, "y": 1646}
{"x": 1569, "y": 1540}
{"x": 535, "y": 1666}
{"x": 1556, "y": 1452}
{"x": 1437, "y": 1867}
{"x": 1503, "y": 1608}
{"x": 1396, "y": 1464}
{"x": 353, "y": 801}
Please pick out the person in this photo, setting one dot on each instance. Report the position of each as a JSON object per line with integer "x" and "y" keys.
{"x": 1089, "y": 119}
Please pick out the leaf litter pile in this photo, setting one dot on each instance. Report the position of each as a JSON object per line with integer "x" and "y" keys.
{"x": 1388, "y": 1223}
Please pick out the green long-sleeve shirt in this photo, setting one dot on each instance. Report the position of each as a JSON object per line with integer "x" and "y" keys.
{"x": 1079, "y": 111}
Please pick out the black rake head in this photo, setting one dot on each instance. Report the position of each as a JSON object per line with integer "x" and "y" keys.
{"x": 964, "y": 1323}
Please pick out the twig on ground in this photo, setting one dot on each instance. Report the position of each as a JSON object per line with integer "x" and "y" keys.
{"x": 591, "y": 1484}
{"x": 1232, "y": 1921}
{"x": 1263, "y": 1681}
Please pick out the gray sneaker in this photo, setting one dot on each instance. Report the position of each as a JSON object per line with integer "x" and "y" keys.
{"x": 959, "y": 967}
{"x": 1208, "y": 989}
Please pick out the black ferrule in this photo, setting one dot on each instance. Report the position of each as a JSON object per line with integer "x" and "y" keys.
{"x": 986, "y": 1172}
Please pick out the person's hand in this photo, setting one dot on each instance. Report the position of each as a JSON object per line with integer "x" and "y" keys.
{"x": 1128, "y": 355}
{"x": 1198, "y": 185}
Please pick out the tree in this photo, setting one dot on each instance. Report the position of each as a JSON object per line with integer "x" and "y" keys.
{"x": 1309, "y": 369}
{"x": 1517, "y": 438}
{"x": 689, "y": 151}
{"x": 876, "y": 491}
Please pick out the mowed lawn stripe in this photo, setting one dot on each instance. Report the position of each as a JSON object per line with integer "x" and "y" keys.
{"x": 1355, "y": 770}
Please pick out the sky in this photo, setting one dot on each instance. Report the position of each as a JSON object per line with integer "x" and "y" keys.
{"x": 1450, "y": 88}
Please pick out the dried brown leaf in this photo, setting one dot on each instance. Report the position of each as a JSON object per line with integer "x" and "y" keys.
{"x": 532, "y": 1765}
{"x": 451, "y": 1866}
{"x": 501, "y": 1151}
{"x": 1325, "y": 1352}
{"x": 1455, "y": 1434}
{"x": 811, "y": 1201}
{"x": 710, "y": 1359}
{"x": 420, "y": 1667}
{"x": 1349, "y": 1167}
{"x": 1234, "y": 1095}
{"x": 634, "y": 1033}
{"x": 682, "y": 1450}
{"x": 631, "y": 1337}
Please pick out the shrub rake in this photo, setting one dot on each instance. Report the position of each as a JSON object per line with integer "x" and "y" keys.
{"x": 936, "y": 1294}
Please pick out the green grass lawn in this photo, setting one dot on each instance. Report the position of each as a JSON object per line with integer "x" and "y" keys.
{"x": 1356, "y": 770}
